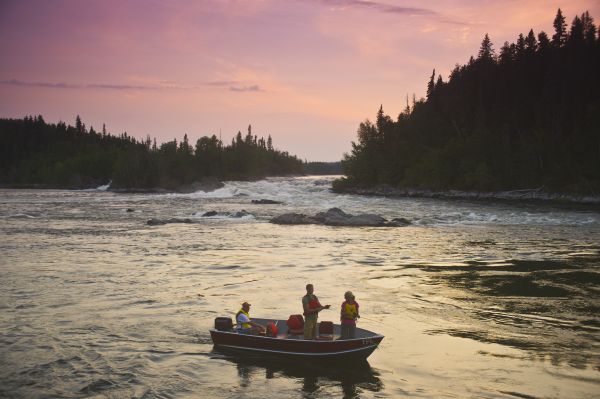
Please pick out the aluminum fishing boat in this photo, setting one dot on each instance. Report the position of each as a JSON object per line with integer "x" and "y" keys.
{"x": 292, "y": 345}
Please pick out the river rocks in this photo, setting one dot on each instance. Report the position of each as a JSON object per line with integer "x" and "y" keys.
{"x": 241, "y": 214}
{"x": 266, "y": 201}
{"x": 238, "y": 214}
{"x": 160, "y": 222}
{"x": 400, "y": 222}
{"x": 293, "y": 218}
{"x": 337, "y": 217}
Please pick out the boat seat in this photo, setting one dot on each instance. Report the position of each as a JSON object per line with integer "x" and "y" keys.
{"x": 295, "y": 325}
{"x": 326, "y": 328}
{"x": 325, "y": 331}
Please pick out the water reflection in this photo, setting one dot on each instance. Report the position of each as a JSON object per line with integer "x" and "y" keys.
{"x": 353, "y": 379}
{"x": 547, "y": 307}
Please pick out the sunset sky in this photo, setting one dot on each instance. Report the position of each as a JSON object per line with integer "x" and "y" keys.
{"x": 305, "y": 71}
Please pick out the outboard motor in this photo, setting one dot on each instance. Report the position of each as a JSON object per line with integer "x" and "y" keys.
{"x": 223, "y": 324}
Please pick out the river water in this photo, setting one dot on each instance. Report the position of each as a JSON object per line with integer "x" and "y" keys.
{"x": 475, "y": 299}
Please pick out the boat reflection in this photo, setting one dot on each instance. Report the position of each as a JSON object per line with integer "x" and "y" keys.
{"x": 353, "y": 378}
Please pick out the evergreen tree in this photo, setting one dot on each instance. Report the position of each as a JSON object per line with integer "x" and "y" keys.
{"x": 431, "y": 85}
{"x": 507, "y": 53}
{"x": 530, "y": 42}
{"x": 576, "y": 37}
{"x": 543, "y": 41}
{"x": 438, "y": 84}
{"x": 589, "y": 28}
{"x": 520, "y": 45}
{"x": 560, "y": 30}
{"x": 486, "y": 52}
{"x": 79, "y": 125}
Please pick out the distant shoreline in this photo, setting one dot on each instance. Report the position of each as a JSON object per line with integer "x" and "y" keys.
{"x": 374, "y": 191}
{"x": 510, "y": 195}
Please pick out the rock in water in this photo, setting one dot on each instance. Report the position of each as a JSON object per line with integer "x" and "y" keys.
{"x": 337, "y": 217}
{"x": 400, "y": 222}
{"x": 293, "y": 218}
{"x": 266, "y": 201}
{"x": 159, "y": 222}
{"x": 240, "y": 214}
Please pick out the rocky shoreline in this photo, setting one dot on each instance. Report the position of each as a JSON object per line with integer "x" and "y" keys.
{"x": 513, "y": 195}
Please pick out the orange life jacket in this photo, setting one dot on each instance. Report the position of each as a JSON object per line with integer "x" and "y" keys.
{"x": 313, "y": 304}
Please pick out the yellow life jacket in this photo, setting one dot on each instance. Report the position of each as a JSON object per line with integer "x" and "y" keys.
{"x": 244, "y": 325}
{"x": 349, "y": 311}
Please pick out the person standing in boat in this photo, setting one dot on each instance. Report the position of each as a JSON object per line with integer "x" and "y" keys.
{"x": 244, "y": 324}
{"x": 312, "y": 307}
{"x": 349, "y": 315}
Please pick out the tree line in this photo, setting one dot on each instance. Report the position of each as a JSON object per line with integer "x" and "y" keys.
{"x": 38, "y": 154}
{"x": 527, "y": 117}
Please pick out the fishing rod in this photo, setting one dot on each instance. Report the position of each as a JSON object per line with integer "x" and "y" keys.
{"x": 381, "y": 322}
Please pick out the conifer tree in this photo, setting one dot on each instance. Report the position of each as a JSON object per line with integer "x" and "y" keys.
{"x": 589, "y": 28}
{"x": 78, "y": 125}
{"x": 520, "y": 45}
{"x": 486, "y": 52}
{"x": 248, "y": 139}
{"x": 438, "y": 84}
{"x": 560, "y": 30}
{"x": 576, "y": 35}
{"x": 543, "y": 41}
{"x": 530, "y": 42}
{"x": 506, "y": 53}
{"x": 430, "y": 86}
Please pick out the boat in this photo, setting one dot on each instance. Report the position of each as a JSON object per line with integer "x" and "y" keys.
{"x": 290, "y": 345}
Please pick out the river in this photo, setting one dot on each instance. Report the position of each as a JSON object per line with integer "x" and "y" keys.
{"x": 482, "y": 299}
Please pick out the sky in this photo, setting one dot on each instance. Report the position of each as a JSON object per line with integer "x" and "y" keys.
{"x": 306, "y": 72}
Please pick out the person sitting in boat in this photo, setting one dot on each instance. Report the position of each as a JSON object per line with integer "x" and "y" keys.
{"x": 349, "y": 315}
{"x": 312, "y": 307}
{"x": 244, "y": 324}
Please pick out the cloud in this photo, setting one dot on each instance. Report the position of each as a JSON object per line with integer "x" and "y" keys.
{"x": 52, "y": 85}
{"x": 382, "y": 7}
{"x": 228, "y": 84}
{"x": 246, "y": 88}
{"x": 222, "y": 83}
{"x": 15, "y": 82}
{"x": 121, "y": 87}
{"x": 390, "y": 9}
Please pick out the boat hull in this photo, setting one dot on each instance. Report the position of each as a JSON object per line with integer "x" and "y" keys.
{"x": 297, "y": 348}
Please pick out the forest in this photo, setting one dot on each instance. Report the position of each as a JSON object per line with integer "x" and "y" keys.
{"x": 524, "y": 117}
{"x": 42, "y": 155}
